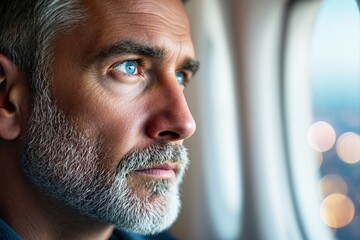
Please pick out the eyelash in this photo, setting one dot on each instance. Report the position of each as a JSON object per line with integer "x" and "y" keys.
{"x": 139, "y": 64}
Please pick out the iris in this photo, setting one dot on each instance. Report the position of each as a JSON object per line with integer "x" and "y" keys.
{"x": 129, "y": 67}
{"x": 180, "y": 78}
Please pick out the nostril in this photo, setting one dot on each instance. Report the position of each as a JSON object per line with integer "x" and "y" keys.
{"x": 169, "y": 134}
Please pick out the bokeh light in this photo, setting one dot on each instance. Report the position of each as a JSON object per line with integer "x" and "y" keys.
{"x": 337, "y": 210}
{"x": 331, "y": 184}
{"x": 348, "y": 147}
{"x": 321, "y": 136}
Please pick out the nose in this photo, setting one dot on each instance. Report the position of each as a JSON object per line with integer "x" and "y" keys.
{"x": 171, "y": 120}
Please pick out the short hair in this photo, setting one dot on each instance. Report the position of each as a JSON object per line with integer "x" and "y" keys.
{"x": 27, "y": 29}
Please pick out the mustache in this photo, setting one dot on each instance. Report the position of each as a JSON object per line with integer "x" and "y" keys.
{"x": 153, "y": 155}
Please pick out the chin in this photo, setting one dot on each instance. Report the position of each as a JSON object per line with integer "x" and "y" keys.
{"x": 150, "y": 210}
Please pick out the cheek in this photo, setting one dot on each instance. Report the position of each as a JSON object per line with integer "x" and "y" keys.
{"x": 117, "y": 124}
{"x": 117, "y": 121}
{"x": 120, "y": 130}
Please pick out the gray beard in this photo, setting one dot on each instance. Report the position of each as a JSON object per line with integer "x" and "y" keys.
{"x": 69, "y": 166}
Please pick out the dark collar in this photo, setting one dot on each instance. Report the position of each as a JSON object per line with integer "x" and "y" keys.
{"x": 6, "y": 232}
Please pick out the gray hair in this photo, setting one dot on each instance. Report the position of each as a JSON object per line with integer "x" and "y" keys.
{"x": 27, "y": 29}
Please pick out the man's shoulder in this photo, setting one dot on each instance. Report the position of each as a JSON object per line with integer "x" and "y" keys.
{"x": 119, "y": 234}
{"x": 6, "y": 232}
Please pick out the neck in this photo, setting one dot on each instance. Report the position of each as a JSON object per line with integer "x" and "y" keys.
{"x": 32, "y": 214}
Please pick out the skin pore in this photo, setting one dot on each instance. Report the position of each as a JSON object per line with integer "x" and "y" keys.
{"x": 107, "y": 135}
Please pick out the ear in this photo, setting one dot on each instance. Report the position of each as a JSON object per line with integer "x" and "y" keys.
{"x": 14, "y": 100}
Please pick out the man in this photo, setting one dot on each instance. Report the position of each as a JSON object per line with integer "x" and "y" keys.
{"x": 92, "y": 117}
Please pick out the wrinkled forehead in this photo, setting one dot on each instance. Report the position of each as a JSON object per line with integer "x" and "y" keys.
{"x": 140, "y": 12}
{"x": 161, "y": 23}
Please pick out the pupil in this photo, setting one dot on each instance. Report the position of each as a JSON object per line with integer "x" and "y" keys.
{"x": 130, "y": 67}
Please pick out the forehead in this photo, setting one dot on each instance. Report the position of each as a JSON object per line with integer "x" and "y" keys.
{"x": 161, "y": 10}
{"x": 158, "y": 22}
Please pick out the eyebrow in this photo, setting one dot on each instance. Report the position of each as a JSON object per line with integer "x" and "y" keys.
{"x": 191, "y": 65}
{"x": 125, "y": 47}
{"x": 133, "y": 47}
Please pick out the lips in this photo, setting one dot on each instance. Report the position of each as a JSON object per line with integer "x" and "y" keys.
{"x": 163, "y": 171}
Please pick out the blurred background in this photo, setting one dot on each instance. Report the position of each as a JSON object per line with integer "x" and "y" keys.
{"x": 276, "y": 154}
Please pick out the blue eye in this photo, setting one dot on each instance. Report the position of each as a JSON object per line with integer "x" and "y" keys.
{"x": 180, "y": 78}
{"x": 129, "y": 67}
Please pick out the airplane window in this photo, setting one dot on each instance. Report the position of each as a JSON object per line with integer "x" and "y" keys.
{"x": 335, "y": 131}
{"x": 267, "y": 184}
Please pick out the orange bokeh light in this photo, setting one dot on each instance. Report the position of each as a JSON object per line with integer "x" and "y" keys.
{"x": 348, "y": 147}
{"x": 331, "y": 184}
{"x": 337, "y": 210}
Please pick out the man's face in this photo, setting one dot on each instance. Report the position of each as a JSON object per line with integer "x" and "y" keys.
{"x": 109, "y": 143}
